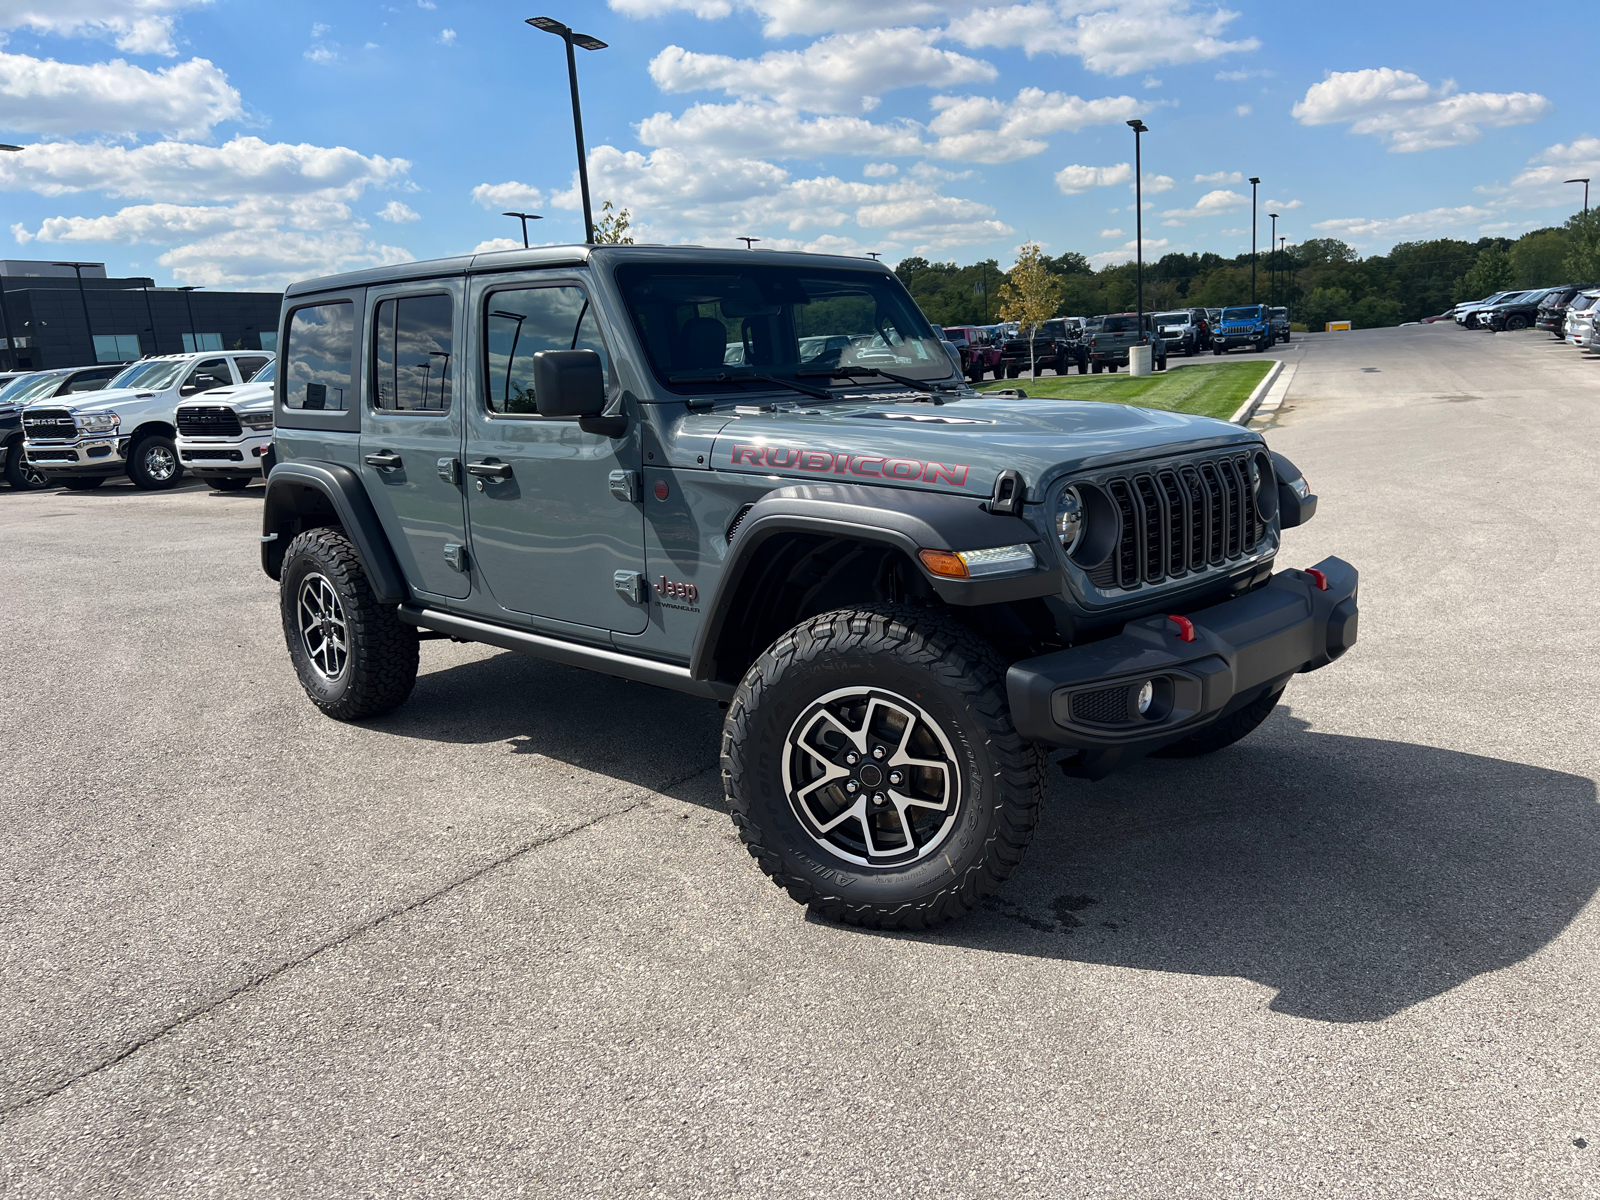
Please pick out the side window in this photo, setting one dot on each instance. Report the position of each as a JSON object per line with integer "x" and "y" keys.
{"x": 209, "y": 373}
{"x": 521, "y": 323}
{"x": 249, "y": 366}
{"x": 411, "y": 350}
{"x": 322, "y": 339}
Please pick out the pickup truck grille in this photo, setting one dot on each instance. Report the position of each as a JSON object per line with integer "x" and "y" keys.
{"x": 208, "y": 420}
{"x": 49, "y": 423}
{"x": 1181, "y": 519}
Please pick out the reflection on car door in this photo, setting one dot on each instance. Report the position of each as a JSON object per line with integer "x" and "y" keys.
{"x": 411, "y": 430}
{"x": 548, "y": 533}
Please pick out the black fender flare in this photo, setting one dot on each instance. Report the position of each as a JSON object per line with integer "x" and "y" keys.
{"x": 899, "y": 517}
{"x": 299, "y": 489}
{"x": 1292, "y": 510}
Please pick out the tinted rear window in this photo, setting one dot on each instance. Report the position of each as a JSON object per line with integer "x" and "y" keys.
{"x": 322, "y": 340}
{"x": 1117, "y": 325}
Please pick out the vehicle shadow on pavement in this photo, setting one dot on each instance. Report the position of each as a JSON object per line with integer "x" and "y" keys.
{"x": 1356, "y": 876}
{"x": 633, "y": 732}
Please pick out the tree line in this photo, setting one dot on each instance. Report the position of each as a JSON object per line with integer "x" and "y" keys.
{"x": 1320, "y": 280}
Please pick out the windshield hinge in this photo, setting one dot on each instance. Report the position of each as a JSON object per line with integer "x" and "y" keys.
{"x": 1010, "y": 490}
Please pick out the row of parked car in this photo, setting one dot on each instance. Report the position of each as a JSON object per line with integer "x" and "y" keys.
{"x": 1538, "y": 308}
{"x": 79, "y": 426}
{"x": 1096, "y": 344}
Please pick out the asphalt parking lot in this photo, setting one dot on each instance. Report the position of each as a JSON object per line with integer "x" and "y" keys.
{"x": 503, "y": 942}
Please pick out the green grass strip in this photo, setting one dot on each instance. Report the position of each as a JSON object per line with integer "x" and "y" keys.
{"x": 1205, "y": 389}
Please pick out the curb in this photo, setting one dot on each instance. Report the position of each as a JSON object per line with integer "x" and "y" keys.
{"x": 1248, "y": 408}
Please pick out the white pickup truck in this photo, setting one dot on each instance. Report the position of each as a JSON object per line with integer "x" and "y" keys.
{"x": 221, "y": 439}
{"x": 130, "y": 427}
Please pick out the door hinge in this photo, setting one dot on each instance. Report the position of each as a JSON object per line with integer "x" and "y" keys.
{"x": 625, "y": 486}
{"x": 456, "y": 555}
{"x": 1009, "y": 492}
{"x": 450, "y": 470}
{"x": 630, "y": 586}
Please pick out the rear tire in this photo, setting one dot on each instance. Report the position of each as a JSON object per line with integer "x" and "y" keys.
{"x": 22, "y": 475}
{"x": 900, "y": 685}
{"x": 354, "y": 656}
{"x": 153, "y": 463}
{"x": 1516, "y": 322}
{"x": 1012, "y": 372}
{"x": 1217, "y": 350}
{"x": 1098, "y": 368}
{"x": 1226, "y": 731}
{"x": 82, "y": 483}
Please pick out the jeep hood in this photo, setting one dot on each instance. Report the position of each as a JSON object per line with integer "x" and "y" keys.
{"x": 959, "y": 446}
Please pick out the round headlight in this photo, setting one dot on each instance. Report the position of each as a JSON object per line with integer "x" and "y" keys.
{"x": 1255, "y": 475}
{"x": 1069, "y": 519}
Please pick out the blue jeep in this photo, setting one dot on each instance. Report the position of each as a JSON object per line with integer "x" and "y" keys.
{"x": 1250, "y": 325}
{"x": 907, "y": 594}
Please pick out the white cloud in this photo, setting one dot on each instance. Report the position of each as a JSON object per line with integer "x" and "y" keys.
{"x": 1156, "y": 184}
{"x": 1119, "y": 37}
{"x": 1111, "y": 233}
{"x": 1221, "y": 177}
{"x": 986, "y": 130}
{"x": 1240, "y": 76}
{"x": 399, "y": 214}
{"x": 1543, "y": 182}
{"x": 447, "y": 37}
{"x": 1075, "y": 179}
{"x": 844, "y": 73}
{"x": 879, "y": 170}
{"x": 767, "y": 130}
{"x": 136, "y": 26}
{"x": 1150, "y": 81}
{"x": 494, "y": 245}
{"x": 45, "y": 96}
{"x": 427, "y": 4}
{"x": 926, "y": 171}
{"x": 1210, "y": 205}
{"x": 1243, "y": 110}
{"x": 1127, "y": 253}
{"x": 245, "y": 259}
{"x": 1409, "y": 113}
{"x": 1412, "y": 225}
{"x": 322, "y": 56}
{"x": 502, "y": 196}
{"x": 1285, "y": 205}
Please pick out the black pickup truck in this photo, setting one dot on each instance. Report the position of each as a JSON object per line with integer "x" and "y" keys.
{"x": 1056, "y": 344}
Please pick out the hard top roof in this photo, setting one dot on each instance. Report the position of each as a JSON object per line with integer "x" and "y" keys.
{"x": 560, "y": 256}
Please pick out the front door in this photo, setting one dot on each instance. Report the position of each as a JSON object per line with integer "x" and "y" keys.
{"x": 549, "y": 534}
{"x": 411, "y": 431}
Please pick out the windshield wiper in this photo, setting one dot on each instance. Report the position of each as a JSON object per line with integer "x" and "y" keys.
{"x": 751, "y": 377}
{"x": 918, "y": 385}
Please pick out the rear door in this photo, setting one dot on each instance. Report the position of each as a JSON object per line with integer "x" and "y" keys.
{"x": 411, "y": 430}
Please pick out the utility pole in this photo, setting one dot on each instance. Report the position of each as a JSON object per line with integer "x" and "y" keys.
{"x": 1138, "y": 127}
{"x": 1254, "y": 183}
{"x": 550, "y": 25}
{"x": 1585, "y": 183}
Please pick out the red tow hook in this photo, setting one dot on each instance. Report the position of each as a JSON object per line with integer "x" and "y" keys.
{"x": 1185, "y": 628}
{"x": 1318, "y": 578}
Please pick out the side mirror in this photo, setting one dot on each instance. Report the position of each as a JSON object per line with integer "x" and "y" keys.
{"x": 572, "y": 383}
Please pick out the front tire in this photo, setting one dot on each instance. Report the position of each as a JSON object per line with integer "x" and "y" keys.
{"x": 872, "y": 769}
{"x": 354, "y": 656}
{"x": 1224, "y": 732}
{"x": 153, "y": 463}
{"x": 22, "y": 475}
{"x": 1516, "y": 322}
{"x": 82, "y": 483}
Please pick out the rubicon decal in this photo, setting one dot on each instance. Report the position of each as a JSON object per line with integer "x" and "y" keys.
{"x": 868, "y": 466}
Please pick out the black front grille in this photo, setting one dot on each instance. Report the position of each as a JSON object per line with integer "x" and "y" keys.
{"x": 53, "y": 455}
{"x": 1181, "y": 519}
{"x": 213, "y": 456}
{"x": 208, "y": 420}
{"x": 1107, "y": 706}
{"x": 43, "y": 423}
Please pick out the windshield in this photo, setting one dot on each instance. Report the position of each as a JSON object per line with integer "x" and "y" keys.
{"x": 29, "y": 387}
{"x": 1240, "y": 314}
{"x": 1176, "y": 318}
{"x": 1579, "y": 304}
{"x": 776, "y": 320}
{"x": 155, "y": 375}
{"x": 267, "y": 374}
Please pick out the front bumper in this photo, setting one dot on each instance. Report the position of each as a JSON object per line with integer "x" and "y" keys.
{"x": 92, "y": 454}
{"x": 1248, "y": 338}
{"x": 1085, "y": 698}
{"x": 234, "y": 456}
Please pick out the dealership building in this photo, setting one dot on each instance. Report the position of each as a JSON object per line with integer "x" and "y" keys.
{"x": 70, "y": 314}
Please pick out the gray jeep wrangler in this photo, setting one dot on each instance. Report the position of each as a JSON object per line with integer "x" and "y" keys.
{"x": 908, "y": 595}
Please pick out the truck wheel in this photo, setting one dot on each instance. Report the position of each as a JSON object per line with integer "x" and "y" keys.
{"x": 1217, "y": 350}
{"x": 872, "y": 769}
{"x": 1516, "y": 321}
{"x": 1011, "y": 372}
{"x": 1097, "y": 368}
{"x": 22, "y": 475}
{"x": 153, "y": 463}
{"x": 354, "y": 656}
{"x": 1224, "y": 732}
{"x": 82, "y": 483}
{"x": 1288, "y": 336}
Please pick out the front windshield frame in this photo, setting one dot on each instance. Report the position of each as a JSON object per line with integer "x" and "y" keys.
{"x": 164, "y": 372}
{"x": 266, "y": 373}
{"x": 765, "y": 308}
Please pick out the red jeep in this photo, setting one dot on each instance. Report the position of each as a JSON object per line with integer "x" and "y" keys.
{"x": 980, "y": 353}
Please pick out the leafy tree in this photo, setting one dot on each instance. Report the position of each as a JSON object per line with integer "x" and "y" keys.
{"x": 1030, "y": 295}
{"x": 1491, "y": 272}
{"x": 1374, "y": 312}
{"x": 612, "y": 227}
{"x": 1536, "y": 258}
{"x": 1583, "y": 247}
{"x": 1326, "y": 304}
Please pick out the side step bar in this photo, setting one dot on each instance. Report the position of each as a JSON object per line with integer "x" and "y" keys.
{"x": 607, "y": 662}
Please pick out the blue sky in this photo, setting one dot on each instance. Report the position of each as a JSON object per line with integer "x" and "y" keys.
{"x": 233, "y": 144}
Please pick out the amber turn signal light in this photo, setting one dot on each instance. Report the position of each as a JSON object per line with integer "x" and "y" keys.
{"x": 943, "y": 562}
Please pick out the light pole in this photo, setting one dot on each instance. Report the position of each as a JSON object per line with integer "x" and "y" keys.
{"x": 83, "y": 296}
{"x": 516, "y": 336}
{"x": 1283, "y": 269}
{"x": 551, "y": 25}
{"x": 1585, "y": 183}
{"x": 444, "y": 373}
{"x": 5, "y": 318}
{"x": 194, "y": 338}
{"x": 526, "y": 217}
{"x": 1254, "y": 182}
{"x": 873, "y": 254}
{"x": 1138, "y": 127}
{"x": 149, "y": 311}
{"x": 749, "y": 242}
{"x": 1272, "y": 263}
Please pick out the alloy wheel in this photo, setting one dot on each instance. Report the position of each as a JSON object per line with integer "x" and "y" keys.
{"x": 160, "y": 463}
{"x": 323, "y": 631}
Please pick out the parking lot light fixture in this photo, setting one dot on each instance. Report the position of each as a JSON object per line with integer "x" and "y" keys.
{"x": 1254, "y": 183}
{"x": 5, "y": 317}
{"x": 1272, "y": 263}
{"x": 1585, "y": 183}
{"x": 194, "y": 338}
{"x": 77, "y": 269}
{"x": 564, "y": 32}
{"x": 1138, "y": 127}
{"x": 749, "y": 242}
{"x": 874, "y": 254}
{"x": 525, "y": 218}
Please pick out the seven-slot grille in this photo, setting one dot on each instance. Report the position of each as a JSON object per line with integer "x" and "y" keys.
{"x": 208, "y": 420}
{"x": 1180, "y": 519}
{"x": 45, "y": 423}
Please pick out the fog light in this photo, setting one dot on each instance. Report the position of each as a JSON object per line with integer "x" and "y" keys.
{"x": 1147, "y": 695}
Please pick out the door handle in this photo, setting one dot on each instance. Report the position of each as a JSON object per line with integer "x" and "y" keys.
{"x": 384, "y": 462}
{"x": 489, "y": 470}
